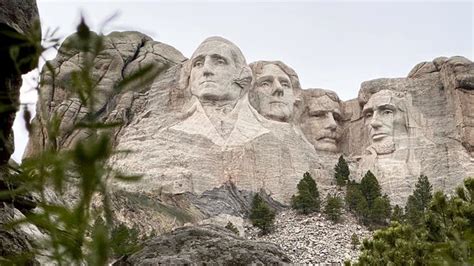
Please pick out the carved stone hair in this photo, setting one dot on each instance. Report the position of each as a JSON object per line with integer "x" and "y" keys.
{"x": 308, "y": 94}
{"x": 257, "y": 69}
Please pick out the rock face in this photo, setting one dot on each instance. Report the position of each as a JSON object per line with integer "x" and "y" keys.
{"x": 213, "y": 120}
{"x": 17, "y": 21}
{"x": 415, "y": 125}
{"x": 205, "y": 244}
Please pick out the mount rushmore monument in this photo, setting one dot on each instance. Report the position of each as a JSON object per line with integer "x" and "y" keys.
{"x": 214, "y": 120}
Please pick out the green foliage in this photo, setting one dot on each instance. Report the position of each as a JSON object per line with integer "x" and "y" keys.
{"x": 367, "y": 203}
{"x": 444, "y": 237}
{"x": 73, "y": 238}
{"x": 232, "y": 228}
{"x": 380, "y": 211}
{"x": 307, "y": 198}
{"x": 418, "y": 202}
{"x": 341, "y": 172}
{"x": 370, "y": 188}
{"x": 397, "y": 214}
{"x": 355, "y": 241}
{"x": 124, "y": 240}
{"x": 353, "y": 196}
{"x": 333, "y": 208}
{"x": 398, "y": 244}
{"x": 261, "y": 215}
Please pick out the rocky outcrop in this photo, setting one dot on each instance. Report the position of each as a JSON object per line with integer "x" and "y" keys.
{"x": 20, "y": 37}
{"x": 19, "y": 29}
{"x": 205, "y": 244}
{"x": 429, "y": 127}
{"x": 123, "y": 54}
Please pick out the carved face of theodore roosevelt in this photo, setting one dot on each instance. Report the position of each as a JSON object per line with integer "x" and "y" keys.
{"x": 321, "y": 119}
{"x": 384, "y": 115}
{"x": 215, "y": 68}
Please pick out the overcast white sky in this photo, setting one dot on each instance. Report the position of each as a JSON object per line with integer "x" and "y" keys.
{"x": 332, "y": 45}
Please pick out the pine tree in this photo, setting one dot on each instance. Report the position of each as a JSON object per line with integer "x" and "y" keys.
{"x": 261, "y": 215}
{"x": 353, "y": 196}
{"x": 370, "y": 188}
{"x": 446, "y": 237}
{"x": 307, "y": 198}
{"x": 333, "y": 208}
{"x": 341, "y": 172}
{"x": 380, "y": 211}
{"x": 418, "y": 202}
{"x": 397, "y": 214}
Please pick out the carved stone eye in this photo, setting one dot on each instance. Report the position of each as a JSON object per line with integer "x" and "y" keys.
{"x": 198, "y": 63}
{"x": 265, "y": 83}
{"x": 387, "y": 112}
{"x": 368, "y": 114}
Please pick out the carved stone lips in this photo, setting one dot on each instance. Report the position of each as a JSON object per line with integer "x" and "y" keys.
{"x": 328, "y": 139}
{"x": 207, "y": 81}
{"x": 280, "y": 102}
{"x": 377, "y": 136}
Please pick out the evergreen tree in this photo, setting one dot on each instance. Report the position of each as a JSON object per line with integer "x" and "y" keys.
{"x": 446, "y": 237}
{"x": 418, "y": 202}
{"x": 353, "y": 196}
{"x": 413, "y": 212}
{"x": 333, "y": 208}
{"x": 380, "y": 211}
{"x": 341, "y": 172}
{"x": 307, "y": 198}
{"x": 370, "y": 188}
{"x": 261, "y": 215}
{"x": 397, "y": 214}
{"x": 423, "y": 192}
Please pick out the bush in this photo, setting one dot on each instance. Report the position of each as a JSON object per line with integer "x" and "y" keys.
{"x": 333, "y": 208}
{"x": 355, "y": 241}
{"x": 261, "y": 215}
{"x": 232, "y": 228}
{"x": 307, "y": 198}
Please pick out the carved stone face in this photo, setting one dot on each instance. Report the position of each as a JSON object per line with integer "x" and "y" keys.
{"x": 213, "y": 72}
{"x": 321, "y": 123}
{"x": 385, "y": 120}
{"x": 272, "y": 95}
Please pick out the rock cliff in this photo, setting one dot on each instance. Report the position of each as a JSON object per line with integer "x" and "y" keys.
{"x": 213, "y": 120}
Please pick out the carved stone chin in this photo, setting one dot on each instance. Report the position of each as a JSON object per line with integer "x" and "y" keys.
{"x": 383, "y": 147}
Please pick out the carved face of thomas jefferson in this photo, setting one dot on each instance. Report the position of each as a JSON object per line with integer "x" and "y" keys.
{"x": 321, "y": 119}
{"x": 214, "y": 70}
{"x": 384, "y": 116}
{"x": 273, "y": 93}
